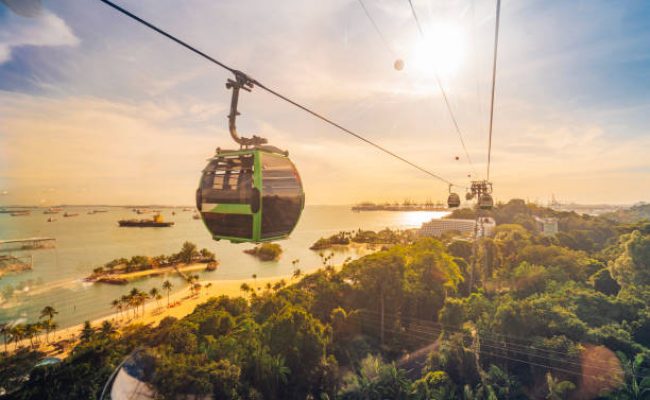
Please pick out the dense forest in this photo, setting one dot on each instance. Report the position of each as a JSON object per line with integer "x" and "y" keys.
{"x": 513, "y": 316}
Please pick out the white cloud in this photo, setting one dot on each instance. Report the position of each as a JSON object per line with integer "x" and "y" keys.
{"x": 44, "y": 30}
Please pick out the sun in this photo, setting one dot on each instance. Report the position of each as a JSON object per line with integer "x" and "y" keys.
{"x": 441, "y": 51}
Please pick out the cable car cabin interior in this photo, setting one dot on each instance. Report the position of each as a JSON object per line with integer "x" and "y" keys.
{"x": 250, "y": 196}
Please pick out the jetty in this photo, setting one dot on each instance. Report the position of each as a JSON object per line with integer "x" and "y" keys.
{"x": 27, "y": 243}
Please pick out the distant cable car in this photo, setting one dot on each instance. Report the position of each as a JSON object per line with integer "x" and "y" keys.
{"x": 485, "y": 201}
{"x": 453, "y": 200}
{"x": 253, "y": 194}
{"x": 399, "y": 64}
{"x": 469, "y": 196}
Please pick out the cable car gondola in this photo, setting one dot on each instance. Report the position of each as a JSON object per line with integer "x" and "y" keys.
{"x": 253, "y": 194}
{"x": 485, "y": 202}
{"x": 453, "y": 200}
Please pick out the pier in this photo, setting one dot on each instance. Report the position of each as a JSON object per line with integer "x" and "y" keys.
{"x": 27, "y": 243}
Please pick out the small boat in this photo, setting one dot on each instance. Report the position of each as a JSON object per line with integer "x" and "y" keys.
{"x": 20, "y": 213}
{"x": 67, "y": 214}
{"x": 51, "y": 219}
{"x": 196, "y": 216}
{"x": 156, "y": 222}
{"x": 92, "y": 212}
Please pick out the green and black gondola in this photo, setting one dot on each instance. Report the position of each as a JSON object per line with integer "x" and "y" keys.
{"x": 250, "y": 195}
{"x": 253, "y": 194}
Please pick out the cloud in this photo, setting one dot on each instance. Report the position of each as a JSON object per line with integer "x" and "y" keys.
{"x": 44, "y": 30}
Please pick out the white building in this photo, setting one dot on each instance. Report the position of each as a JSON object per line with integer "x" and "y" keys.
{"x": 548, "y": 226}
{"x": 436, "y": 227}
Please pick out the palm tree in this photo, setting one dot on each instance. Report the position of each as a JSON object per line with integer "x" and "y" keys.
{"x": 296, "y": 273}
{"x": 245, "y": 287}
{"x": 31, "y": 330}
{"x": 87, "y": 332}
{"x": 116, "y": 305}
{"x": 49, "y": 312}
{"x": 638, "y": 383}
{"x": 5, "y": 331}
{"x": 107, "y": 329}
{"x": 154, "y": 293}
{"x": 17, "y": 333}
{"x": 167, "y": 285}
{"x": 558, "y": 390}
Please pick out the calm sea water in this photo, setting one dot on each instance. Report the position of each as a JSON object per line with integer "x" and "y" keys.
{"x": 88, "y": 241}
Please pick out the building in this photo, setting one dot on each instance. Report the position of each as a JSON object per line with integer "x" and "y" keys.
{"x": 436, "y": 227}
{"x": 547, "y": 226}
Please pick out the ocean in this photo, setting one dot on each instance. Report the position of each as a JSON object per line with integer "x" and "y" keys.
{"x": 87, "y": 241}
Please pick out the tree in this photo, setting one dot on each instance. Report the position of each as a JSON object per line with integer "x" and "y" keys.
{"x": 188, "y": 253}
{"x": 558, "y": 390}
{"x": 5, "y": 331}
{"x": 116, "y": 305}
{"x": 87, "y": 332}
{"x": 637, "y": 376}
{"x": 379, "y": 275}
{"x": 632, "y": 267}
{"x": 167, "y": 285}
{"x": 107, "y": 329}
{"x": 17, "y": 333}
{"x": 154, "y": 293}
{"x": 49, "y": 312}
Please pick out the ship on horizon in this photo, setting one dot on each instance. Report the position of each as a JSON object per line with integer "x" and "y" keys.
{"x": 156, "y": 222}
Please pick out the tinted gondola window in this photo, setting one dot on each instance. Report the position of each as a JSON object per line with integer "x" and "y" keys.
{"x": 233, "y": 225}
{"x": 228, "y": 180}
{"x": 282, "y": 196}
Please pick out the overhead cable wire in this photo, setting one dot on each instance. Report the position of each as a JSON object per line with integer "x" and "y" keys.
{"x": 494, "y": 81}
{"x": 530, "y": 351}
{"x": 444, "y": 94}
{"x": 425, "y": 338}
{"x": 427, "y": 327}
{"x": 374, "y": 24}
{"x": 275, "y": 93}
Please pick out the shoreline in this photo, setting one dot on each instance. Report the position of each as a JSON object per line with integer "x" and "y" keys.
{"x": 182, "y": 303}
{"x": 123, "y": 278}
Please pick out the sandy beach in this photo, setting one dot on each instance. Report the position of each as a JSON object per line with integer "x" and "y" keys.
{"x": 182, "y": 303}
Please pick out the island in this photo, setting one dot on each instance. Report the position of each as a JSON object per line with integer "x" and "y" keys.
{"x": 266, "y": 251}
{"x": 383, "y": 237}
{"x": 121, "y": 270}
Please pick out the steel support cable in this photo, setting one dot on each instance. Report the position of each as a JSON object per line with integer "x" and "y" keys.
{"x": 507, "y": 347}
{"x": 444, "y": 96}
{"x": 494, "y": 80}
{"x": 424, "y": 338}
{"x": 496, "y": 344}
{"x": 374, "y": 24}
{"x": 275, "y": 93}
{"x": 531, "y": 351}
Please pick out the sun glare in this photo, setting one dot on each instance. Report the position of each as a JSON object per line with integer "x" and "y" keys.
{"x": 441, "y": 51}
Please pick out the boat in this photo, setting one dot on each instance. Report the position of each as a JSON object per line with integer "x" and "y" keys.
{"x": 156, "y": 222}
{"x": 53, "y": 210}
{"x": 91, "y": 212}
{"x": 67, "y": 214}
{"x": 196, "y": 216}
{"x": 51, "y": 219}
{"x": 20, "y": 213}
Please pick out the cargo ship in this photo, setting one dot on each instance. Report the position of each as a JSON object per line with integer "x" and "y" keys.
{"x": 156, "y": 222}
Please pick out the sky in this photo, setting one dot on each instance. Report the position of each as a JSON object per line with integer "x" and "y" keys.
{"x": 97, "y": 109}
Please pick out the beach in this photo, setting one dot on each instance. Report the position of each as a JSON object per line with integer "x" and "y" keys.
{"x": 182, "y": 303}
